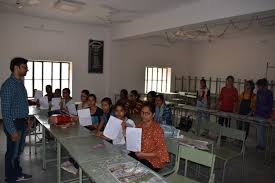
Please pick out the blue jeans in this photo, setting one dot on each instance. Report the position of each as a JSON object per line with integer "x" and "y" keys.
{"x": 202, "y": 117}
{"x": 14, "y": 150}
{"x": 260, "y": 135}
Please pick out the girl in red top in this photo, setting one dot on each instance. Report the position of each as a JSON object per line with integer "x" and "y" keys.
{"x": 154, "y": 152}
{"x": 228, "y": 100}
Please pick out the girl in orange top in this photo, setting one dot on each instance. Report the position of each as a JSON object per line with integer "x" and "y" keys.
{"x": 247, "y": 104}
{"x": 154, "y": 152}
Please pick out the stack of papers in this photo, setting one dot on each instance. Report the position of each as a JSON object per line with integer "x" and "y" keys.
{"x": 133, "y": 172}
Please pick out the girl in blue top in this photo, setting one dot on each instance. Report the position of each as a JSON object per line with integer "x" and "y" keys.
{"x": 106, "y": 104}
{"x": 96, "y": 112}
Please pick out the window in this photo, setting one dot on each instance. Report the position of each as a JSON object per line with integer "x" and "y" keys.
{"x": 43, "y": 73}
{"x": 158, "y": 79}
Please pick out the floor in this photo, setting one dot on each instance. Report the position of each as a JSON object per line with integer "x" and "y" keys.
{"x": 255, "y": 170}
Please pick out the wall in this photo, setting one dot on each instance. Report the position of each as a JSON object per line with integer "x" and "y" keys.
{"x": 243, "y": 55}
{"x": 129, "y": 59}
{"x": 71, "y": 45}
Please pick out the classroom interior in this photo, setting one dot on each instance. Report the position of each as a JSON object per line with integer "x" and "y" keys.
{"x": 165, "y": 46}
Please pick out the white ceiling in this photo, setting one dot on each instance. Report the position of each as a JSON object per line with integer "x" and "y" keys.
{"x": 95, "y": 11}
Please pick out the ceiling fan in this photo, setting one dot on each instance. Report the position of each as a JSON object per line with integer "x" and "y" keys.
{"x": 19, "y": 3}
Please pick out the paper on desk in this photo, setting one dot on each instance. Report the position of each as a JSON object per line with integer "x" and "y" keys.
{"x": 38, "y": 94}
{"x": 44, "y": 104}
{"x": 133, "y": 139}
{"x": 55, "y": 104}
{"x": 85, "y": 117}
{"x": 112, "y": 128}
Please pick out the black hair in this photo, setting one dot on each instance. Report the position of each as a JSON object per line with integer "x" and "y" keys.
{"x": 124, "y": 92}
{"x": 152, "y": 93}
{"x": 47, "y": 86}
{"x": 150, "y": 106}
{"x": 251, "y": 84}
{"x": 262, "y": 82}
{"x": 67, "y": 90}
{"x": 120, "y": 104}
{"x": 57, "y": 89}
{"x": 17, "y": 61}
{"x": 93, "y": 95}
{"x": 160, "y": 96}
{"x": 230, "y": 77}
{"x": 108, "y": 100}
{"x": 203, "y": 80}
{"x": 135, "y": 93}
{"x": 86, "y": 92}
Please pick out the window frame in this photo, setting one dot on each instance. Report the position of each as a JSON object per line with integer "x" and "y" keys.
{"x": 162, "y": 80}
{"x": 51, "y": 79}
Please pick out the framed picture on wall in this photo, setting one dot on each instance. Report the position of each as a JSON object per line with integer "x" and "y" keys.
{"x": 96, "y": 51}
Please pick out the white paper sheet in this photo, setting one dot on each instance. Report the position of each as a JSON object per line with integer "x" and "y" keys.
{"x": 55, "y": 104}
{"x": 133, "y": 139}
{"x": 85, "y": 117}
{"x": 38, "y": 94}
{"x": 112, "y": 128}
{"x": 44, "y": 104}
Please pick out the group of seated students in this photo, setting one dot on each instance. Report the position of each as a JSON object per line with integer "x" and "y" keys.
{"x": 151, "y": 114}
{"x": 258, "y": 104}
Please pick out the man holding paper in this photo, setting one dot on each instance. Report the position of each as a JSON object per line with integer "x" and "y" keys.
{"x": 153, "y": 152}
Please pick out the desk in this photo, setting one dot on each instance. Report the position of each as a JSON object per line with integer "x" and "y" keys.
{"x": 252, "y": 120}
{"x": 79, "y": 142}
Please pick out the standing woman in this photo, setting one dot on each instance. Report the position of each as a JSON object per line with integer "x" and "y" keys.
{"x": 247, "y": 104}
{"x": 264, "y": 104}
{"x": 84, "y": 100}
{"x": 15, "y": 110}
{"x": 203, "y": 101}
{"x": 154, "y": 152}
{"x": 228, "y": 100}
{"x": 135, "y": 104}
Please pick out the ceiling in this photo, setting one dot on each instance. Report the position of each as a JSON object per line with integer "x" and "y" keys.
{"x": 260, "y": 23}
{"x": 94, "y": 11}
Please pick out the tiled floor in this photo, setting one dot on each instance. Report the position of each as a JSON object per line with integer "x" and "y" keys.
{"x": 255, "y": 170}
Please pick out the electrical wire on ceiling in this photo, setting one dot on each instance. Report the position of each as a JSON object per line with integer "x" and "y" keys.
{"x": 207, "y": 31}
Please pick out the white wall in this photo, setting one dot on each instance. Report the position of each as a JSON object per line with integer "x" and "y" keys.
{"x": 243, "y": 55}
{"x": 129, "y": 59}
{"x": 71, "y": 45}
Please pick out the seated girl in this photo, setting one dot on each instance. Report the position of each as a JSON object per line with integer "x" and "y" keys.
{"x": 67, "y": 103}
{"x": 120, "y": 113}
{"x": 96, "y": 112}
{"x": 154, "y": 152}
{"x": 84, "y": 100}
{"x": 163, "y": 112}
{"x": 106, "y": 104}
{"x": 134, "y": 104}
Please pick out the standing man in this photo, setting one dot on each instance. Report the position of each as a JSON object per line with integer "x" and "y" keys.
{"x": 15, "y": 111}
